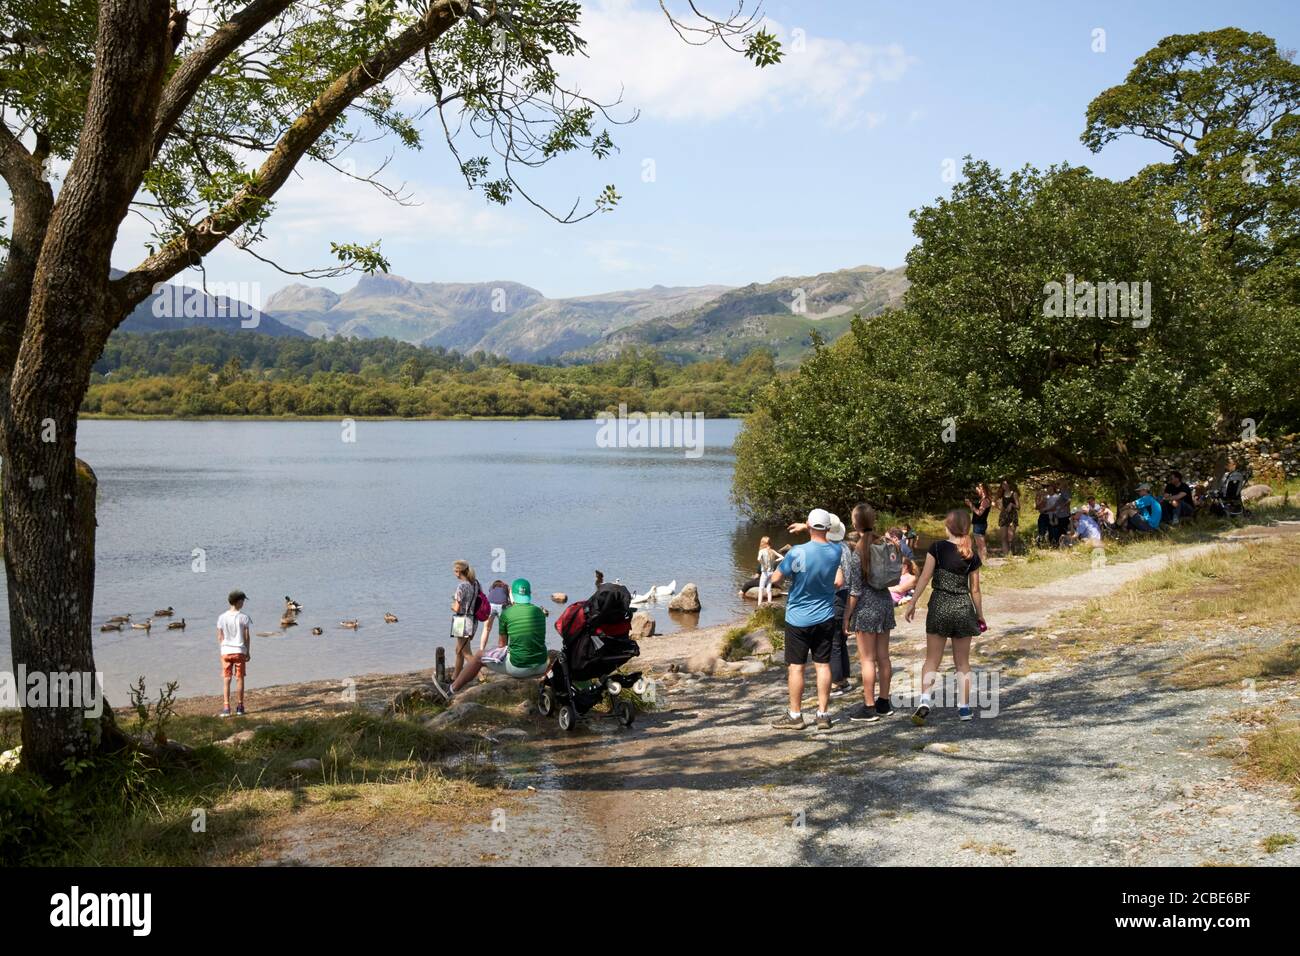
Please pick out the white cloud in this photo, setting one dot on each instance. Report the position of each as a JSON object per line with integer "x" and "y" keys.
{"x": 636, "y": 50}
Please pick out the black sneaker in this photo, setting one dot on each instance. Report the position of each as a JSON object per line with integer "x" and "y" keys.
{"x": 823, "y": 721}
{"x": 863, "y": 714}
{"x": 786, "y": 722}
{"x": 919, "y": 715}
{"x": 883, "y": 707}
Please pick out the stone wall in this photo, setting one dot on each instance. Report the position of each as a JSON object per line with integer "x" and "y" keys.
{"x": 1271, "y": 461}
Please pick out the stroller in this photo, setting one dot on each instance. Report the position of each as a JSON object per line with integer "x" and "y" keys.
{"x": 1225, "y": 501}
{"x": 595, "y": 645}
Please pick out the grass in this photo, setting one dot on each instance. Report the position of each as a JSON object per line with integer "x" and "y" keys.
{"x": 989, "y": 849}
{"x": 769, "y": 617}
{"x": 1276, "y": 841}
{"x": 229, "y": 800}
{"x": 1274, "y": 754}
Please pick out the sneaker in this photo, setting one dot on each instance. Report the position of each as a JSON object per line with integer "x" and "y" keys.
{"x": 883, "y": 707}
{"x": 863, "y": 714}
{"x": 823, "y": 721}
{"x": 964, "y": 713}
{"x": 919, "y": 715}
{"x": 786, "y": 722}
{"x": 239, "y": 711}
{"x": 838, "y": 690}
{"x": 225, "y": 712}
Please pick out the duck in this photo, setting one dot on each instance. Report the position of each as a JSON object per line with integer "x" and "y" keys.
{"x": 148, "y": 624}
{"x": 119, "y": 619}
{"x": 168, "y": 611}
{"x": 390, "y": 618}
{"x": 317, "y": 631}
{"x": 176, "y": 625}
{"x": 354, "y": 624}
{"x": 290, "y": 605}
{"x": 288, "y": 621}
{"x": 111, "y": 626}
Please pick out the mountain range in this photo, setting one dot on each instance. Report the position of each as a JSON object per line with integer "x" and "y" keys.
{"x": 514, "y": 320}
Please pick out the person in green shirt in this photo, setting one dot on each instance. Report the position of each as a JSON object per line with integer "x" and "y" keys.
{"x": 523, "y": 625}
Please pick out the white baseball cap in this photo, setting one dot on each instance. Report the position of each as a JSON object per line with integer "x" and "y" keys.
{"x": 820, "y": 519}
{"x": 837, "y": 531}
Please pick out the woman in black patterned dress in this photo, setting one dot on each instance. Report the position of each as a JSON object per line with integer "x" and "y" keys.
{"x": 869, "y": 616}
{"x": 956, "y": 609}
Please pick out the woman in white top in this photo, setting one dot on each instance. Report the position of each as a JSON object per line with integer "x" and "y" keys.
{"x": 768, "y": 559}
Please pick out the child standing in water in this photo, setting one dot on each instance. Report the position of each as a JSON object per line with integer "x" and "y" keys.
{"x": 768, "y": 559}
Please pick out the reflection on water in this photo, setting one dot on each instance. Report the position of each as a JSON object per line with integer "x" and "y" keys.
{"x": 352, "y": 530}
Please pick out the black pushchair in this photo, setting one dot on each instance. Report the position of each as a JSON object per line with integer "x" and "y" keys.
{"x": 595, "y": 644}
{"x": 1225, "y": 501}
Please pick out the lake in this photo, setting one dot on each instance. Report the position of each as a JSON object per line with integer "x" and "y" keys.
{"x": 355, "y": 529}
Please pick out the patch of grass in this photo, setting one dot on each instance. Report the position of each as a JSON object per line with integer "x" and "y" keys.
{"x": 1234, "y": 665}
{"x": 218, "y": 805}
{"x": 769, "y": 617}
{"x": 989, "y": 849}
{"x": 1276, "y": 841}
{"x": 1274, "y": 753}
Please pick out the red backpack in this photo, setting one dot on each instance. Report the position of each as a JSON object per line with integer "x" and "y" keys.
{"x": 572, "y": 621}
{"x": 482, "y": 608}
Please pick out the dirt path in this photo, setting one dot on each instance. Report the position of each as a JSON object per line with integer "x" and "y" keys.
{"x": 1092, "y": 763}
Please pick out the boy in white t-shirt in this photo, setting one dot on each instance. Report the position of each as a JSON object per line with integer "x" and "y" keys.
{"x": 235, "y": 637}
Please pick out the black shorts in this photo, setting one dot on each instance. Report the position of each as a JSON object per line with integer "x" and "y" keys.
{"x": 815, "y": 639}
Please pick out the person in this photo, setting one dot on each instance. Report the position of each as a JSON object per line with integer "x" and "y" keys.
{"x": 523, "y": 653}
{"x": 899, "y": 537}
{"x": 1145, "y": 511}
{"x": 869, "y": 617}
{"x": 1083, "y": 528}
{"x": 980, "y": 509}
{"x": 1008, "y": 514}
{"x": 235, "y": 639}
{"x": 815, "y": 575}
{"x": 498, "y": 597}
{"x": 1178, "y": 498}
{"x": 955, "y": 611}
{"x": 768, "y": 558}
{"x": 906, "y": 583}
{"x": 841, "y": 684}
{"x": 908, "y": 543}
{"x": 464, "y": 601}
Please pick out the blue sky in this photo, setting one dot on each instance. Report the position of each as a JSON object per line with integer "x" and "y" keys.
{"x": 809, "y": 166}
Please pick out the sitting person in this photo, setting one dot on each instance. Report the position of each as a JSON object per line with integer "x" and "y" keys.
{"x": 1084, "y": 529}
{"x": 901, "y": 591}
{"x": 523, "y": 626}
{"x": 1101, "y": 511}
{"x": 1177, "y": 498}
{"x": 1145, "y": 513}
{"x": 904, "y": 537}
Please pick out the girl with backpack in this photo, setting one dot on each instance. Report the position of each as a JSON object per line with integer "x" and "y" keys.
{"x": 956, "y": 610}
{"x": 874, "y": 564}
{"x": 464, "y": 610}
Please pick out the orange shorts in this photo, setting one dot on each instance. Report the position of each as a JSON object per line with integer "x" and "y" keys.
{"x": 234, "y": 665}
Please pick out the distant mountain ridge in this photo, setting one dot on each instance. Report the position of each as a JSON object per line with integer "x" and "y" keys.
{"x": 173, "y": 308}
{"x": 505, "y": 318}
{"x": 519, "y": 322}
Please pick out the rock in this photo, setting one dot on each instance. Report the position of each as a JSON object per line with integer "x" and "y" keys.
{"x": 643, "y": 626}
{"x": 756, "y": 642}
{"x": 688, "y": 599}
{"x": 509, "y": 733}
{"x": 1255, "y": 492}
{"x": 559, "y": 597}
{"x": 706, "y": 662}
{"x": 456, "y": 713}
{"x": 10, "y": 758}
{"x": 752, "y": 594}
{"x": 746, "y": 668}
{"x": 305, "y": 765}
{"x": 243, "y": 737}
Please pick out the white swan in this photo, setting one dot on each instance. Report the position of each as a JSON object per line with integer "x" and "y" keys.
{"x": 665, "y": 590}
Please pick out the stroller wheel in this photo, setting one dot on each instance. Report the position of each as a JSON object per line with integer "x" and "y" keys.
{"x": 614, "y": 688}
{"x": 639, "y": 687}
{"x": 546, "y": 701}
{"x": 625, "y": 713}
{"x": 568, "y": 717}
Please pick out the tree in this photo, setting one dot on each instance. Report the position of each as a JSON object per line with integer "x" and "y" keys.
{"x": 159, "y": 117}
{"x": 980, "y": 376}
{"x": 1226, "y": 103}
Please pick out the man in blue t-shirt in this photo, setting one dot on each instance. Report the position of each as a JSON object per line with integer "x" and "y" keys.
{"x": 814, "y": 573}
{"x": 1147, "y": 516}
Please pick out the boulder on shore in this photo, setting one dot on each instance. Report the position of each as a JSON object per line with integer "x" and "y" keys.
{"x": 643, "y": 626}
{"x": 1256, "y": 492}
{"x": 688, "y": 599}
{"x": 559, "y": 597}
{"x": 752, "y": 594}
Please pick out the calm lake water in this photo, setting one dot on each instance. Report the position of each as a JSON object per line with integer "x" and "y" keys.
{"x": 352, "y": 530}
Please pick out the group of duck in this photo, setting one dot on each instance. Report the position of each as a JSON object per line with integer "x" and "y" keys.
{"x": 288, "y": 619}
{"x": 122, "y": 621}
